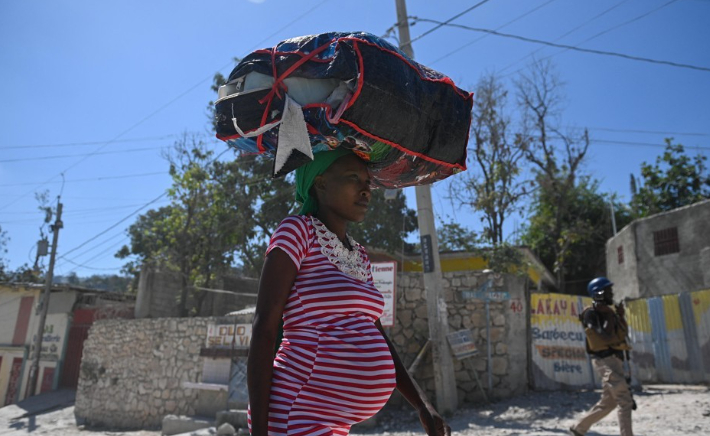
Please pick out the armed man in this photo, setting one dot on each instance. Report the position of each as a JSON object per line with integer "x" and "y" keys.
{"x": 606, "y": 330}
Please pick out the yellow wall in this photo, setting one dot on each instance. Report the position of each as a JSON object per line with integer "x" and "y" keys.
{"x": 467, "y": 263}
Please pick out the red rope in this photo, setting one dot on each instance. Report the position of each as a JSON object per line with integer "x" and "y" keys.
{"x": 278, "y": 83}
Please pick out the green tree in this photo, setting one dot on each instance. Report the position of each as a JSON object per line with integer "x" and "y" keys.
{"x": 454, "y": 237}
{"x": 676, "y": 180}
{"x": 556, "y": 158}
{"x": 586, "y": 226}
{"x": 493, "y": 184}
{"x": 387, "y": 223}
{"x": 196, "y": 234}
{"x": 22, "y": 274}
{"x": 107, "y": 282}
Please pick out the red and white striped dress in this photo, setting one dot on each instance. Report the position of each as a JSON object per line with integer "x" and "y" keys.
{"x": 334, "y": 368}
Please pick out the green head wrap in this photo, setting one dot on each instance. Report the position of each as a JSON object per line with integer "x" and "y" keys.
{"x": 306, "y": 175}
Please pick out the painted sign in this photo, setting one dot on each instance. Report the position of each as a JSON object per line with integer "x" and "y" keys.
{"x": 559, "y": 354}
{"x": 224, "y": 335}
{"x": 53, "y": 338}
{"x": 486, "y": 295}
{"x": 427, "y": 254}
{"x": 384, "y": 275}
{"x": 462, "y": 344}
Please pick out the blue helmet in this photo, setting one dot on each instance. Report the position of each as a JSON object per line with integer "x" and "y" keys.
{"x": 596, "y": 287}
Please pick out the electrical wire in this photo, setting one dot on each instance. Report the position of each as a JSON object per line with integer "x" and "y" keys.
{"x": 614, "y": 142}
{"x": 443, "y": 23}
{"x": 641, "y": 144}
{"x": 653, "y": 132}
{"x": 569, "y": 32}
{"x": 614, "y": 28}
{"x": 64, "y": 156}
{"x": 97, "y": 179}
{"x": 98, "y": 256}
{"x": 79, "y": 265}
{"x": 120, "y": 234}
{"x": 569, "y": 47}
{"x": 161, "y": 108}
{"x": 628, "y": 22}
{"x": 485, "y": 36}
{"x": 115, "y": 225}
{"x": 130, "y": 215}
{"x": 79, "y": 144}
{"x": 145, "y": 119}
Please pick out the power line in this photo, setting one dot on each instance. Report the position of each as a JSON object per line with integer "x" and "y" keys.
{"x": 627, "y": 22}
{"x": 594, "y": 18}
{"x": 484, "y": 36}
{"x": 114, "y": 225}
{"x": 64, "y": 156}
{"x": 161, "y": 108}
{"x": 95, "y": 179}
{"x": 569, "y": 47}
{"x": 130, "y": 215}
{"x": 288, "y": 25}
{"x": 100, "y": 255}
{"x": 78, "y": 144}
{"x": 441, "y": 24}
{"x": 640, "y": 144}
{"x": 630, "y": 143}
{"x": 87, "y": 267}
{"x": 120, "y": 235}
{"x": 617, "y": 26}
{"x": 655, "y": 132}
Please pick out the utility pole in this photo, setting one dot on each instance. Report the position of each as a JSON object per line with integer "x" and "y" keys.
{"x": 444, "y": 379}
{"x": 44, "y": 303}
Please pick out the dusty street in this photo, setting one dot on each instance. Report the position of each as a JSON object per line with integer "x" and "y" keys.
{"x": 667, "y": 410}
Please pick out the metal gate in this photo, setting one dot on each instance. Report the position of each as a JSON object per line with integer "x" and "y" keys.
{"x": 78, "y": 332}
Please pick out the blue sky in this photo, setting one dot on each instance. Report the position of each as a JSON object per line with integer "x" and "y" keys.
{"x": 108, "y": 85}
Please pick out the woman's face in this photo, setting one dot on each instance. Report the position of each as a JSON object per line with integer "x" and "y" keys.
{"x": 344, "y": 189}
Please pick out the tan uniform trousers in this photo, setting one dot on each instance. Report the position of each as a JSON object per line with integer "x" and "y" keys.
{"x": 615, "y": 392}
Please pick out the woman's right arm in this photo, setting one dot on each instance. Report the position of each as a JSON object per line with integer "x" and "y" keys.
{"x": 277, "y": 278}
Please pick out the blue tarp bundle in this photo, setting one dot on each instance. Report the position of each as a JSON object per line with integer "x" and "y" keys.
{"x": 313, "y": 93}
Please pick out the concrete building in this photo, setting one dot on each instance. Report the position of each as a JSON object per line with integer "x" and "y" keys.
{"x": 71, "y": 312}
{"x": 663, "y": 254}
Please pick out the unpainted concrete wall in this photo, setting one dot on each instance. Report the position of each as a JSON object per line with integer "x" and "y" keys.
{"x": 669, "y": 273}
{"x": 623, "y": 275}
{"x": 159, "y": 293}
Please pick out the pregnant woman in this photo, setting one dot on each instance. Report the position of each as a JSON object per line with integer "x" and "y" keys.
{"x": 334, "y": 366}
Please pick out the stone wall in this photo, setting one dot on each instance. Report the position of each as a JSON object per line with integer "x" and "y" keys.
{"x": 508, "y": 333}
{"x": 132, "y": 371}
